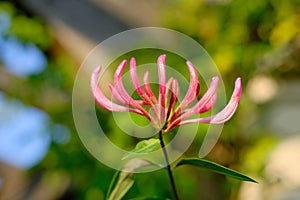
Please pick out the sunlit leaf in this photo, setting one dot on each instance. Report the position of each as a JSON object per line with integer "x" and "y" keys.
{"x": 143, "y": 147}
{"x": 215, "y": 168}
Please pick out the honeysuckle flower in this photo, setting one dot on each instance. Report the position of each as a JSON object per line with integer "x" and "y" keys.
{"x": 162, "y": 110}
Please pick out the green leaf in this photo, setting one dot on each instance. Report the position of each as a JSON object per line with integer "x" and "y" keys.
{"x": 124, "y": 180}
{"x": 143, "y": 147}
{"x": 215, "y": 168}
{"x": 113, "y": 183}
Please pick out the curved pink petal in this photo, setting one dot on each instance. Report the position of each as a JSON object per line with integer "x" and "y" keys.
{"x": 161, "y": 65}
{"x": 200, "y": 105}
{"x": 168, "y": 89}
{"x": 119, "y": 86}
{"x": 119, "y": 83}
{"x": 148, "y": 88}
{"x": 194, "y": 88}
{"x": 120, "y": 93}
{"x": 206, "y": 99}
{"x": 136, "y": 82}
{"x": 119, "y": 71}
{"x": 209, "y": 104}
{"x": 116, "y": 95}
{"x": 102, "y": 99}
{"x": 225, "y": 114}
{"x": 154, "y": 104}
{"x": 174, "y": 96}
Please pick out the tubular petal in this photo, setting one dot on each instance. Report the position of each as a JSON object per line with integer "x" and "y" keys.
{"x": 150, "y": 94}
{"x": 174, "y": 97}
{"x": 119, "y": 83}
{"x": 132, "y": 103}
{"x": 119, "y": 86}
{"x": 148, "y": 88}
{"x": 227, "y": 112}
{"x": 209, "y": 104}
{"x": 206, "y": 98}
{"x": 231, "y": 107}
{"x": 194, "y": 88}
{"x": 102, "y": 99}
{"x": 162, "y": 79}
{"x": 168, "y": 89}
{"x": 119, "y": 71}
{"x": 136, "y": 82}
{"x": 116, "y": 94}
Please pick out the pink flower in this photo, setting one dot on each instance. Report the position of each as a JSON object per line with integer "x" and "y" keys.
{"x": 163, "y": 113}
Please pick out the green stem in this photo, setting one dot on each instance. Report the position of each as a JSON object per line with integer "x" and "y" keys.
{"x": 162, "y": 144}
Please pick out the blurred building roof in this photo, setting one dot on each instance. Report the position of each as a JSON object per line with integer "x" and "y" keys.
{"x": 80, "y": 25}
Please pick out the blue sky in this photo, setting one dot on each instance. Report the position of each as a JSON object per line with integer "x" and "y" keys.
{"x": 19, "y": 58}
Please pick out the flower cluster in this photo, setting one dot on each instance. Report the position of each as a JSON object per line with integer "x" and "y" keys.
{"x": 163, "y": 112}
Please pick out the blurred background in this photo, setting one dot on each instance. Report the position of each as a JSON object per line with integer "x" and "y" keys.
{"x": 43, "y": 43}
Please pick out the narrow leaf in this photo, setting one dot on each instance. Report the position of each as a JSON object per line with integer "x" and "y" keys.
{"x": 215, "y": 168}
{"x": 143, "y": 147}
{"x": 124, "y": 180}
{"x": 113, "y": 183}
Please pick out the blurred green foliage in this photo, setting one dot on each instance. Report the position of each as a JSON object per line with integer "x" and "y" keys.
{"x": 236, "y": 33}
{"x": 26, "y": 27}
